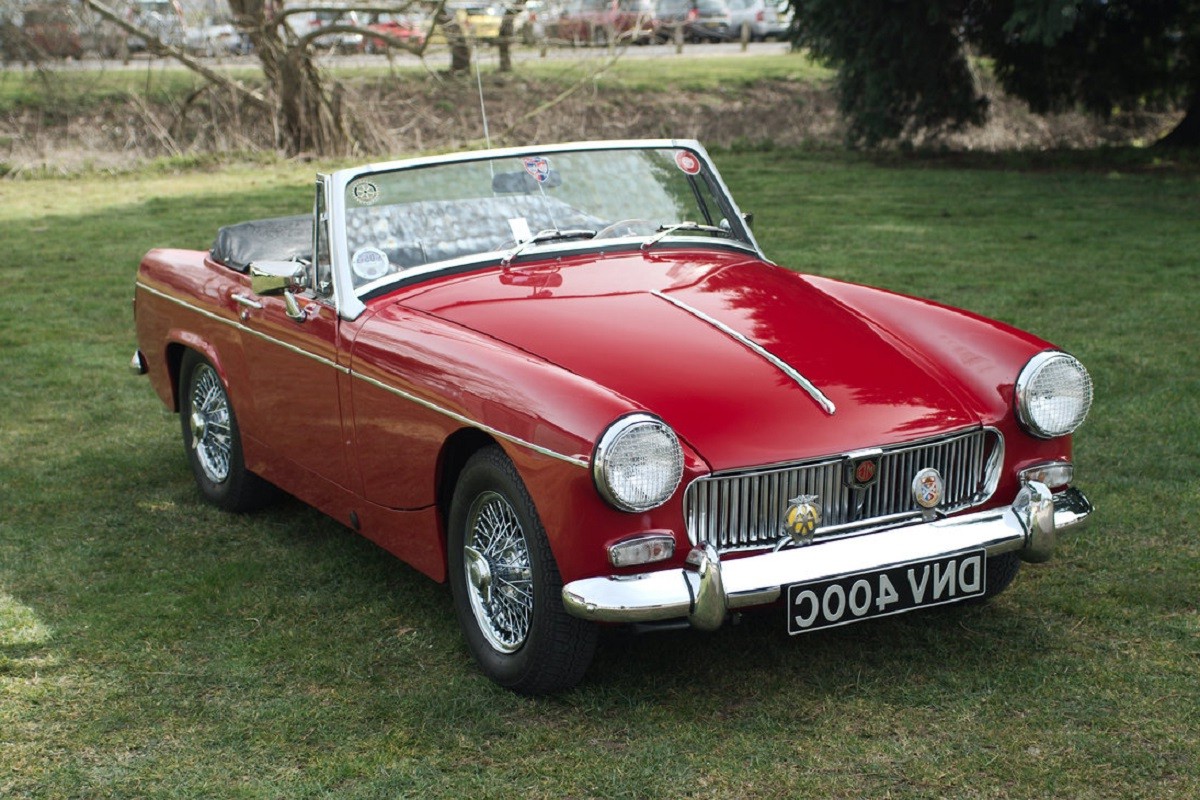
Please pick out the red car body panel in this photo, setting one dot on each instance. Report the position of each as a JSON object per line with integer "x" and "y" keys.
{"x": 347, "y": 423}
{"x": 645, "y": 349}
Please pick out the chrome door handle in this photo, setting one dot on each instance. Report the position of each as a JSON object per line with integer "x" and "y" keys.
{"x": 248, "y": 302}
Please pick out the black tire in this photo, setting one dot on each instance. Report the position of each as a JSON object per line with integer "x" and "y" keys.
{"x": 505, "y": 582}
{"x": 1001, "y": 570}
{"x": 213, "y": 442}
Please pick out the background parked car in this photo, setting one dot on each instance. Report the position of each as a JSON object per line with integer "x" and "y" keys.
{"x": 162, "y": 18}
{"x": 216, "y": 37}
{"x": 307, "y": 22}
{"x": 756, "y": 19}
{"x": 479, "y": 22}
{"x": 671, "y": 18}
{"x": 530, "y": 23}
{"x": 712, "y": 22}
{"x": 52, "y": 30}
{"x": 602, "y": 21}
{"x": 409, "y": 30}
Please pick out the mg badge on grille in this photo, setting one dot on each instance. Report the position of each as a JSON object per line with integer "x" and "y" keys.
{"x": 802, "y": 518}
{"x": 861, "y": 473}
{"x": 928, "y": 488}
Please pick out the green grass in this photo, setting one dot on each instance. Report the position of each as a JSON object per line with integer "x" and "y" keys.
{"x": 153, "y": 647}
{"x": 636, "y": 71}
{"x": 74, "y": 91}
{"x": 159, "y": 81}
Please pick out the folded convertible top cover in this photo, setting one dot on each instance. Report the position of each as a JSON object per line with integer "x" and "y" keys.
{"x": 280, "y": 239}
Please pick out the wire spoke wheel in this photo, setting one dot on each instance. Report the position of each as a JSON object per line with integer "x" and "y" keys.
{"x": 212, "y": 439}
{"x": 209, "y": 421}
{"x": 499, "y": 575}
{"x": 505, "y": 583}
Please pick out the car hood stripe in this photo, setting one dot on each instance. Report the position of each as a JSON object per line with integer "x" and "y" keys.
{"x": 803, "y": 382}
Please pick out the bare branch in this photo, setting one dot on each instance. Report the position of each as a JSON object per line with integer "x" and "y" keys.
{"x": 570, "y": 90}
{"x": 179, "y": 55}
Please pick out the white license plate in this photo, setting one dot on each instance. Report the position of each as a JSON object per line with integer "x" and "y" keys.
{"x": 880, "y": 593}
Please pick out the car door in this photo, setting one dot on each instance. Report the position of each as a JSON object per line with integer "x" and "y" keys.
{"x": 295, "y": 369}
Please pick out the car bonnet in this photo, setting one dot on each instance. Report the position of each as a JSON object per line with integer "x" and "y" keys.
{"x": 751, "y": 364}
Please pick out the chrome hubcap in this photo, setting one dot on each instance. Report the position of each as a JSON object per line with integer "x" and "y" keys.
{"x": 211, "y": 436}
{"x": 198, "y": 426}
{"x": 498, "y": 572}
{"x": 479, "y": 573}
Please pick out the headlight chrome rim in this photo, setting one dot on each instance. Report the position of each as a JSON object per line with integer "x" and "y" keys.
{"x": 1033, "y": 408}
{"x": 608, "y": 451}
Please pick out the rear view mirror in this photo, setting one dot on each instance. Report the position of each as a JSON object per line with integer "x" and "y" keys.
{"x": 523, "y": 182}
{"x": 276, "y": 277}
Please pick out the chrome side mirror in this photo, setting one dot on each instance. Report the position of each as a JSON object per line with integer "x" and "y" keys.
{"x": 276, "y": 277}
{"x": 280, "y": 277}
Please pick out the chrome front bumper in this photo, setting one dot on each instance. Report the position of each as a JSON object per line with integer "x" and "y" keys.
{"x": 706, "y": 593}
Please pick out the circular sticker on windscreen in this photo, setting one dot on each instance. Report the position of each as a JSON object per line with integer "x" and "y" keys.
{"x": 365, "y": 192}
{"x": 687, "y": 162}
{"x": 369, "y": 263}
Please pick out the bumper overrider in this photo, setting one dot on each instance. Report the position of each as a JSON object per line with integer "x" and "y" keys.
{"x": 707, "y": 590}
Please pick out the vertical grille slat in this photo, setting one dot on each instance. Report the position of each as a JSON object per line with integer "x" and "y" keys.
{"x": 746, "y": 510}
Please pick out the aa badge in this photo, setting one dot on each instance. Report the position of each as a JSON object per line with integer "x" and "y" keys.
{"x": 802, "y": 518}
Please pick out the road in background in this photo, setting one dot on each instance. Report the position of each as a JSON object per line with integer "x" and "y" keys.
{"x": 438, "y": 58}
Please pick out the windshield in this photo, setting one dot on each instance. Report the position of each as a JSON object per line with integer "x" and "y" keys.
{"x": 520, "y": 206}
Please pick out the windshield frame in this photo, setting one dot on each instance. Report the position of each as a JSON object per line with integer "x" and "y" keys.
{"x": 352, "y": 299}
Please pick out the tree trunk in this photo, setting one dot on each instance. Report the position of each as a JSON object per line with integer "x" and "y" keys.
{"x": 309, "y": 117}
{"x": 1187, "y": 132}
{"x": 506, "y": 40}
{"x": 460, "y": 49}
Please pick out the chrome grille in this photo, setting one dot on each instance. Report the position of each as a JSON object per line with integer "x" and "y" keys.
{"x": 744, "y": 510}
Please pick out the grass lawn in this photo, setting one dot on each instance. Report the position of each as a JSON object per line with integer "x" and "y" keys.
{"x": 151, "y": 646}
{"x": 165, "y": 81}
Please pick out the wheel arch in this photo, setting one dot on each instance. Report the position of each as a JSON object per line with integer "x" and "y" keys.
{"x": 455, "y": 453}
{"x": 177, "y": 348}
{"x": 174, "y": 360}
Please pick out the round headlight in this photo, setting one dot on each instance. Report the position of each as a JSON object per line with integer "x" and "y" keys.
{"x": 638, "y": 463}
{"x": 1053, "y": 395}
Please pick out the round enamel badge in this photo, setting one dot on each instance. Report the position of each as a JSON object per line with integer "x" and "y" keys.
{"x": 802, "y": 517}
{"x": 928, "y": 488}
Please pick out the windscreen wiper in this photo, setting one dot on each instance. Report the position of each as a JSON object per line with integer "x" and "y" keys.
{"x": 666, "y": 230}
{"x": 546, "y": 236}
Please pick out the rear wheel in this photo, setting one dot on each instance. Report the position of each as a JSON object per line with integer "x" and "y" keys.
{"x": 213, "y": 441}
{"x": 506, "y": 587}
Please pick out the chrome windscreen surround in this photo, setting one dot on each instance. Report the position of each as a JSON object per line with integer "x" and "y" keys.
{"x": 746, "y": 510}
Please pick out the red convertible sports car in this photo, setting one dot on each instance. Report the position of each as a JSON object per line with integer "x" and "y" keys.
{"x": 567, "y": 380}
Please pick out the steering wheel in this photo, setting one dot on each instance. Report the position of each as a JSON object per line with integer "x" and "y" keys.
{"x": 627, "y": 227}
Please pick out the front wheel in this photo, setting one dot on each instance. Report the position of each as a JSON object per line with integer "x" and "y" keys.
{"x": 1001, "y": 570}
{"x": 213, "y": 441}
{"x": 506, "y": 587}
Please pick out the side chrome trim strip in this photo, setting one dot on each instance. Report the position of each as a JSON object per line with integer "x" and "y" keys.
{"x": 804, "y": 383}
{"x": 575, "y": 460}
{"x": 508, "y": 437}
{"x": 241, "y": 300}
